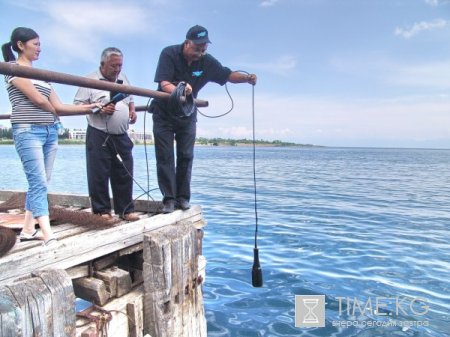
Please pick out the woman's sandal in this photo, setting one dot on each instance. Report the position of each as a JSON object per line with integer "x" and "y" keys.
{"x": 50, "y": 242}
{"x": 23, "y": 237}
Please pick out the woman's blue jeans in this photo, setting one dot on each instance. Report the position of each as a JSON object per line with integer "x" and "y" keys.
{"x": 36, "y": 145}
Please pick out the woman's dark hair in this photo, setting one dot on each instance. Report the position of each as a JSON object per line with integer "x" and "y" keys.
{"x": 22, "y": 34}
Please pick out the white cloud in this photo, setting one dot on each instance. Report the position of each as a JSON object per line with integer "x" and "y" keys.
{"x": 430, "y": 75}
{"x": 421, "y": 26}
{"x": 237, "y": 132}
{"x": 99, "y": 17}
{"x": 77, "y": 28}
{"x": 436, "y": 3}
{"x": 245, "y": 132}
{"x": 283, "y": 65}
{"x": 435, "y": 75}
{"x": 82, "y": 25}
{"x": 331, "y": 121}
{"x": 268, "y": 3}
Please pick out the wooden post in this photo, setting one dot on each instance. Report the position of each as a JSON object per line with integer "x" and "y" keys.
{"x": 60, "y": 286}
{"x": 10, "y": 315}
{"x": 173, "y": 303}
{"x": 38, "y": 306}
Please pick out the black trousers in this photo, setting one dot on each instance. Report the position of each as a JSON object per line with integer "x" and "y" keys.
{"x": 174, "y": 180}
{"x": 103, "y": 167}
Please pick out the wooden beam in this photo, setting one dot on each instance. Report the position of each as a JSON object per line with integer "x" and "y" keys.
{"x": 91, "y": 289}
{"x": 117, "y": 281}
{"x": 173, "y": 303}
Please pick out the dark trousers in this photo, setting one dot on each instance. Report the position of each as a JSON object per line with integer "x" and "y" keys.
{"x": 174, "y": 181}
{"x": 103, "y": 167}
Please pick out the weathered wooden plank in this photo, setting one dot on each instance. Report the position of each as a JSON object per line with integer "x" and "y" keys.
{"x": 61, "y": 231}
{"x": 135, "y": 314}
{"x": 91, "y": 289}
{"x": 105, "y": 261}
{"x": 171, "y": 308}
{"x": 131, "y": 249}
{"x": 5, "y": 195}
{"x": 196, "y": 220}
{"x": 190, "y": 273}
{"x": 62, "y": 199}
{"x": 147, "y": 206}
{"x": 39, "y": 306}
{"x": 34, "y": 299}
{"x": 158, "y": 253}
{"x": 59, "y": 284}
{"x": 86, "y": 246}
{"x": 11, "y": 315}
{"x": 199, "y": 222}
{"x": 200, "y": 234}
{"x": 175, "y": 325}
{"x": 157, "y": 280}
{"x": 117, "y": 281}
{"x": 78, "y": 271}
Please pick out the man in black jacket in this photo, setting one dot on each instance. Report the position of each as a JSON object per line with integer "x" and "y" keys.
{"x": 187, "y": 62}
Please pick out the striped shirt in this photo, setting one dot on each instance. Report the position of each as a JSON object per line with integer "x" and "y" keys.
{"x": 23, "y": 110}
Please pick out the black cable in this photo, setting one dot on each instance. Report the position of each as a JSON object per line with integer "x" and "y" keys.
{"x": 128, "y": 172}
{"x": 225, "y": 113}
{"x": 231, "y": 99}
{"x": 254, "y": 147}
{"x": 257, "y": 278}
{"x": 146, "y": 192}
{"x": 145, "y": 146}
{"x": 254, "y": 166}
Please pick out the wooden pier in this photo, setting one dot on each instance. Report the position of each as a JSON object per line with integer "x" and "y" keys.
{"x": 140, "y": 278}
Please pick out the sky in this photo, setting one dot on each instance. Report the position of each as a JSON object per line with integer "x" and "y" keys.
{"x": 330, "y": 72}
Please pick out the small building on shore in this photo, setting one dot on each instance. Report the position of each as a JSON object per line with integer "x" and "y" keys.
{"x": 137, "y": 136}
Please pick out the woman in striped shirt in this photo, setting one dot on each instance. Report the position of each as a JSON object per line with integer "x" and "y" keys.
{"x": 35, "y": 122}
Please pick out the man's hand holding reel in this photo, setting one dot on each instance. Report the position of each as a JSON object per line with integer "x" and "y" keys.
{"x": 181, "y": 100}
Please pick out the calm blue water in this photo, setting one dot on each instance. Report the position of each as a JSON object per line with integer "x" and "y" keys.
{"x": 363, "y": 224}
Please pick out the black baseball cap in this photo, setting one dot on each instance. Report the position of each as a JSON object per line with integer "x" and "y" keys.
{"x": 198, "y": 35}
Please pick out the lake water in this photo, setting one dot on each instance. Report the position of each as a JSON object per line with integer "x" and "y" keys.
{"x": 366, "y": 228}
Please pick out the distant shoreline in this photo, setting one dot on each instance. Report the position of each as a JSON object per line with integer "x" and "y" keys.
{"x": 227, "y": 142}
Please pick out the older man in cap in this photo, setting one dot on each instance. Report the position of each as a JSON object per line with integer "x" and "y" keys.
{"x": 187, "y": 62}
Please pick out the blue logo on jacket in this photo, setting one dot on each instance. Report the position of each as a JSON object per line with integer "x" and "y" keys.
{"x": 197, "y": 73}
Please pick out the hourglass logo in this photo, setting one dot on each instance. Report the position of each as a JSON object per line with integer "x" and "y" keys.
{"x": 309, "y": 311}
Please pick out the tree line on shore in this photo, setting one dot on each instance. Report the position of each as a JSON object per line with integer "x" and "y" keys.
{"x": 243, "y": 142}
{"x": 6, "y": 133}
{"x": 6, "y": 138}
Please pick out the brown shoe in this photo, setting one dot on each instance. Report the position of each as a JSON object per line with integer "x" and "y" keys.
{"x": 106, "y": 216}
{"x": 130, "y": 217}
